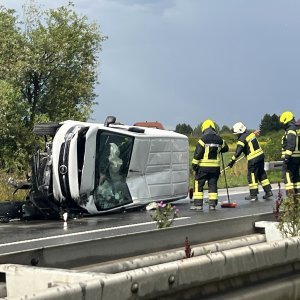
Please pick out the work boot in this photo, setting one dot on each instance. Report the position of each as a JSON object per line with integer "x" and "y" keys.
{"x": 251, "y": 198}
{"x": 212, "y": 207}
{"x": 268, "y": 195}
{"x": 196, "y": 207}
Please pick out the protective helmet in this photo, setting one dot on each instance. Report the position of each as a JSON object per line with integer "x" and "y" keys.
{"x": 206, "y": 124}
{"x": 286, "y": 117}
{"x": 238, "y": 128}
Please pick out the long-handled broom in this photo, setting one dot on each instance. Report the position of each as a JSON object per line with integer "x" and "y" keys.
{"x": 228, "y": 203}
{"x": 224, "y": 169}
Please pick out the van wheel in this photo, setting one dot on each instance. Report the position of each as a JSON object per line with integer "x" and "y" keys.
{"x": 4, "y": 220}
{"x": 46, "y": 128}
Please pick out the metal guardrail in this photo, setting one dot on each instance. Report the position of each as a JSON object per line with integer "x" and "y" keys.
{"x": 273, "y": 165}
{"x": 205, "y": 276}
{"x": 132, "y": 263}
{"x": 224, "y": 270}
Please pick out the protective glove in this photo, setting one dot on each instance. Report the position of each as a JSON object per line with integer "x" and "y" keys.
{"x": 195, "y": 167}
{"x": 231, "y": 163}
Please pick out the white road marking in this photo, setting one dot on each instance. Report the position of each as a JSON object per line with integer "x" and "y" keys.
{"x": 83, "y": 233}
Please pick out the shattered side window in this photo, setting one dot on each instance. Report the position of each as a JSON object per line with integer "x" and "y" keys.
{"x": 113, "y": 153}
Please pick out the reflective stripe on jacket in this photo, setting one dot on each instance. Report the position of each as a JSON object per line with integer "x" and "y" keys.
{"x": 291, "y": 142}
{"x": 208, "y": 149}
{"x": 249, "y": 145}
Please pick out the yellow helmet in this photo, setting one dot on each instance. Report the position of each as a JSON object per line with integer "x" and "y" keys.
{"x": 286, "y": 117}
{"x": 206, "y": 124}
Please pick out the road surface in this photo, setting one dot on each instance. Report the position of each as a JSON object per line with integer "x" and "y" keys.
{"x": 45, "y": 233}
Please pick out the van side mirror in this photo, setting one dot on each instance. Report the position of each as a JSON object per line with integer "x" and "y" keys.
{"x": 109, "y": 120}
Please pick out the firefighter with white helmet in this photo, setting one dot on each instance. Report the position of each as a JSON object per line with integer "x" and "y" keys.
{"x": 206, "y": 164}
{"x": 290, "y": 153}
{"x": 248, "y": 144}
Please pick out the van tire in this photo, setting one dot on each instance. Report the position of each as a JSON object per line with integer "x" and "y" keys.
{"x": 46, "y": 128}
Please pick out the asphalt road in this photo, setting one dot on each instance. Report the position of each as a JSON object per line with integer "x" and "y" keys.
{"x": 45, "y": 233}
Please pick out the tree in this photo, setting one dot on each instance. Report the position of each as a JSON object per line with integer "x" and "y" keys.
{"x": 184, "y": 129}
{"x": 225, "y": 129}
{"x": 269, "y": 123}
{"x": 272, "y": 146}
{"x": 49, "y": 64}
{"x": 14, "y": 136}
{"x": 197, "y": 130}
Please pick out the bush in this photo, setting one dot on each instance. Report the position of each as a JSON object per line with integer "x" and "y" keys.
{"x": 193, "y": 141}
{"x": 289, "y": 220}
{"x": 7, "y": 191}
{"x": 229, "y": 138}
{"x": 272, "y": 146}
{"x": 164, "y": 214}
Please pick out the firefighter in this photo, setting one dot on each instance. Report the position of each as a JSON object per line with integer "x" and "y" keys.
{"x": 290, "y": 153}
{"x": 248, "y": 144}
{"x": 206, "y": 164}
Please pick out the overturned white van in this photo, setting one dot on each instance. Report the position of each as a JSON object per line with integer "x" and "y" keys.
{"x": 97, "y": 168}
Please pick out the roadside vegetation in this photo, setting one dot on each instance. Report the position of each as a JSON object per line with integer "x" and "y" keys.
{"x": 48, "y": 59}
{"x": 289, "y": 221}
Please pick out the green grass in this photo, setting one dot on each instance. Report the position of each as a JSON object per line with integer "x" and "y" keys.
{"x": 6, "y": 191}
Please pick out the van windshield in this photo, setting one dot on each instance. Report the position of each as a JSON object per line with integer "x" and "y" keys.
{"x": 113, "y": 153}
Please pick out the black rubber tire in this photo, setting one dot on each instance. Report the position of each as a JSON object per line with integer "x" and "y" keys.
{"x": 46, "y": 128}
{"x": 10, "y": 210}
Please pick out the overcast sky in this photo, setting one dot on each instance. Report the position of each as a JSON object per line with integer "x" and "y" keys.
{"x": 183, "y": 61}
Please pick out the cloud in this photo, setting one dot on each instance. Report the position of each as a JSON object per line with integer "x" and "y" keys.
{"x": 183, "y": 61}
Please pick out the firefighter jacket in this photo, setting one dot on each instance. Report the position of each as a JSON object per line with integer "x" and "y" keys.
{"x": 291, "y": 141}
{"x": 249, "y": 145}
{"x": 207, "y": 152}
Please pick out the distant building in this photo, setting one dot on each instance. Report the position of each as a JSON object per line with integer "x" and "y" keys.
{"x": 155, "y": 124}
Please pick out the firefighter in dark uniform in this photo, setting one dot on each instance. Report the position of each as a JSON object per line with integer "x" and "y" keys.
{"x": 290, "y": 153}
{"x": 249, "y": 145}
{"x": 206, "y": 164}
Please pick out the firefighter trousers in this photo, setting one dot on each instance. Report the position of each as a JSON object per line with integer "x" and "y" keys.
{"x": 290, "y": 175}
{"x": 212, "y": 180}
{"x": 257, "y": 174}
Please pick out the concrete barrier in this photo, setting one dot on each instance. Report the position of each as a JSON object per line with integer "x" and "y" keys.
{"x": 3, "y": 291}
{"x": 76, "y": 291}
{"x": 30, "y": 280}
{"x": 287, "y": 287}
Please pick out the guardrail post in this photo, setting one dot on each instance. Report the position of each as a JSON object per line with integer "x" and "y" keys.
{"x": 273, "y": 165}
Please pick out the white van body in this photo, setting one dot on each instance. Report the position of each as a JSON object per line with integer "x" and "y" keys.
{"x": 102, "y": 168}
